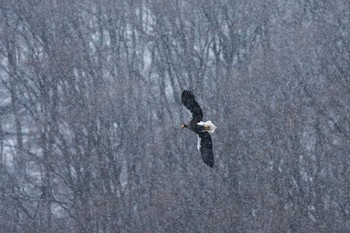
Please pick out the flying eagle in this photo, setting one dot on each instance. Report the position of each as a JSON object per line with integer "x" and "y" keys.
{"x": 204, "y": 145}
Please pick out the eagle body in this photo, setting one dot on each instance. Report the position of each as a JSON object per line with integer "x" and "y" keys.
{"x": 202, "y": 129}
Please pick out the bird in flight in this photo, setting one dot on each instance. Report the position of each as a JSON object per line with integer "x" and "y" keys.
{"x": 202, "y": 129}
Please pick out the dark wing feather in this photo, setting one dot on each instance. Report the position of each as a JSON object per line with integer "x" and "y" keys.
{"x": 206, "y": 148}
{"x": 187, "y": 99}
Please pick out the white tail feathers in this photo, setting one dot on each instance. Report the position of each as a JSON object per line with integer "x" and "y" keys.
{"x": 208, "y": 125}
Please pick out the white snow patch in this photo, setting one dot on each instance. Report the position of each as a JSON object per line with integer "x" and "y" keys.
{"x": 124, "y": 176}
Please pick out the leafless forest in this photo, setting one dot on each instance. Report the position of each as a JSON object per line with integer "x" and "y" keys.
{"x": 90, "y": 114}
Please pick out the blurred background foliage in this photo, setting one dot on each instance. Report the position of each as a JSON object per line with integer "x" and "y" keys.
{"x": 90, "y": 113}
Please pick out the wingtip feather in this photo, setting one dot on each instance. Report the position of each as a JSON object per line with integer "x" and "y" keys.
{"x": 210, "y": 163}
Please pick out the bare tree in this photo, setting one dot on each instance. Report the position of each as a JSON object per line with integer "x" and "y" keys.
{"x": 90, "y": 113}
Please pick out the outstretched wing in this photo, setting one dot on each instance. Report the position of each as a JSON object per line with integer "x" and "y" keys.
{"x": 205, "y": 146}
{"x": 187, "y": 99}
